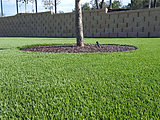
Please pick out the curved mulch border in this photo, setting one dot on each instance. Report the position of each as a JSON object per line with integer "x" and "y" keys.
{"x": 76, "y": 49}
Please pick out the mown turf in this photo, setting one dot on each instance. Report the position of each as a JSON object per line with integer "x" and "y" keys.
{"x": 122, "y": 85}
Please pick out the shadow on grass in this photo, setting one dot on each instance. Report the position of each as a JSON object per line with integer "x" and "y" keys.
{"x": 3, "y": 48}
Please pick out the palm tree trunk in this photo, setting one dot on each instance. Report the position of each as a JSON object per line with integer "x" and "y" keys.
{"x": 79, "y": 25}
{"x": 1, "y": 9}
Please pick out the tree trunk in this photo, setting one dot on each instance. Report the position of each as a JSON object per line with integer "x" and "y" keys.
{"x": 102, "y": 4}
{"x": 17, "y": 6}
{"x": 110, "y": 5}
{"x": 25, "y": 6}
{"x": 149, "y": 3}
{"x": 36, "y": 5}
{"x": 55, "y": 6}
{"x": 155, "y": 1}
{"x": 96, "y": 1}
{"x": 1, "y": 9}
{"x": 79, "y": 25}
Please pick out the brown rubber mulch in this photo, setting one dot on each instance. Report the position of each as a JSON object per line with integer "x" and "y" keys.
{"x": 76, "y": 49}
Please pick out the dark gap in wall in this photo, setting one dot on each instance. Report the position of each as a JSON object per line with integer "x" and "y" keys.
{"x": 155, "y": 18}
{"x": 138, "y": 14}
{"x": 148, "y": 34}
{"x": 122, "y": 30}
{"x": 126, "y": 24}
{"x": 101, "y": 17}
{"x": 142, "y": 29}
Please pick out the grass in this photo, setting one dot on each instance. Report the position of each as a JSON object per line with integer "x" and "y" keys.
{"x": 122, "y": 85}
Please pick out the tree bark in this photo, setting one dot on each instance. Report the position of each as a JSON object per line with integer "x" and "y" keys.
{"x": 79, "y": 25}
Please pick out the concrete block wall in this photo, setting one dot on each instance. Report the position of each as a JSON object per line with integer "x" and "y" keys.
{"x": 97, "y": 23}
{"x": 38, "y": 25}
{"x": 133, "y": 23}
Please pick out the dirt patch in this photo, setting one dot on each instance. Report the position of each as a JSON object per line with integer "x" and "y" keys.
{"x": 76, "y": 49}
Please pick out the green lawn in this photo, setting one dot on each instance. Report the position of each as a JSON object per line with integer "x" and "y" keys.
{"x": 122, "y": 85}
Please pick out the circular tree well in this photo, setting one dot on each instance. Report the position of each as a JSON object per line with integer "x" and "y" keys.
{"x": 87, "y": 48}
